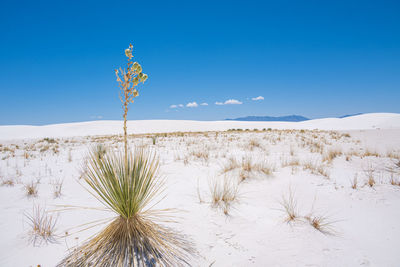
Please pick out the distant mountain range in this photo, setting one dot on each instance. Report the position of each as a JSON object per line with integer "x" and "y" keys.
{"x": 345, "y": 116}
{"x": 294, "y": 118}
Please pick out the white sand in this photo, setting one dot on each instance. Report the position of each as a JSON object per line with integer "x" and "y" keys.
{"x": 365, "y": 221}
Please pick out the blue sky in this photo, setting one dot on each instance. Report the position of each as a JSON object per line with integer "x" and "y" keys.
{"x": 312, "y": 58}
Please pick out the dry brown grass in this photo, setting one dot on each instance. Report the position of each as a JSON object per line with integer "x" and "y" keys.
{"x": 353, "y": 182}
{"x": 394, "y": 181}
{"x": 224, "y": 193}
{"x": 8, "y": 181}
{"x": 253, "y": 143}
{"x": 316, "y": 168}
{"x": 370, "y": 173}
{"x": 201, "y": 154}
{"x": 230, "y": 165}
{"x": 31, "y": 189}
{"x": 57, "y": 187}
{"x": 369, "y": 153}
{"x": 321, "y": 223}
{"x": 290, "y": 162}
{"x": 247, "y": 164}
{"x": 331, "y": 154}
{"x": 42, "y": 226}
{"x": 289, "y": 205}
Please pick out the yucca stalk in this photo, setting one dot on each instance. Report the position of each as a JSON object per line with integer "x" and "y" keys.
{"x": 128, "y": 78}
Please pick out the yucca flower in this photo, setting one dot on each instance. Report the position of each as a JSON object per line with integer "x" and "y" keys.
{"x": 128, "y": 53}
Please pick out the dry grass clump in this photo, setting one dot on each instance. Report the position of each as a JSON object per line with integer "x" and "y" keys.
{"x": 42, "y": 225}
{"x": 332, "y": 154}
{"x": 393, "y": 155}
{"x": 253, "y": 143}
{"x": 292, "y": 162}
{"x": 354, "y": 182}
{"x": 201, "y": 154}
{"x": 368, "y": 153}
{"x": 223, "y": 194}
{"x": 316, "y": 168}
{"x": 321, "y": 223}
{"x": 321, "y": 170}
{"x": 7, "y": 181}
{"x": 231, "y": 165}
{"x": 31, "y": 189}
{"x": 266, "y": 168}
{"x": 369, "y": 173}
{"x": 394, "y": 181}
{"x": 289, "y": 205}
{"x": 57, "y": 188}
{"x": 247, "y": 164}
{"x": 132, "y": 238}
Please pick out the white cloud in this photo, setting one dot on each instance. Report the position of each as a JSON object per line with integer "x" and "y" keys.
{"x": 192, "y": 105}
{"x": 180, "y": 105}
{"x": 173, "y": 106}
{"x": 203, "y": 104}
{"x": 97, "y": 117}
{"x": 232, "y": 102}
{"x": 257, "y": 98}
{"x": 219, "y": 103}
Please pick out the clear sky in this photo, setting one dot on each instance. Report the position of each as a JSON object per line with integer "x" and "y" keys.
{"x": 311, "y": 58}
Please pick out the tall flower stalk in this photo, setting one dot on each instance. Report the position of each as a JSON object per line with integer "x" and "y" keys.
{"x": 128, "y": 78}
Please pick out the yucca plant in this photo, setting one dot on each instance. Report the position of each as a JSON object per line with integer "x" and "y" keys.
{"x": 128, "y": 184}
{"x": 132, "y": 238}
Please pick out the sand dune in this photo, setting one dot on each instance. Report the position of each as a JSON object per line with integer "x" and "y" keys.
{"x": 360, "y": 122}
